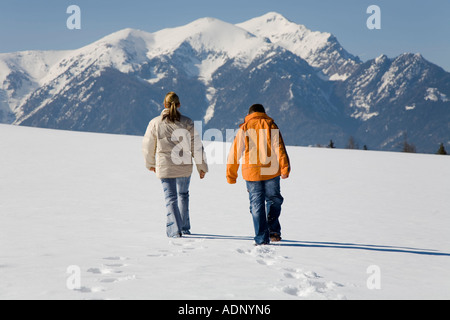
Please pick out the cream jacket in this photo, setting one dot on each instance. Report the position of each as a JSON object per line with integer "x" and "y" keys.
{"x": 170, "y": 147}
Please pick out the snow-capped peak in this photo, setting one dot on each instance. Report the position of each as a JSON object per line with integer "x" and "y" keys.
{"x": 123, "y": 50}
{"x": 125, "y": 34}
{"x": 319, "y": 49}
{"x": 294, "y": 37}
{"x": 208, "y": 35}
{"x": 381, "y": 59}
{"x": 213, "y": 41}
{"x": 273, "y": 17}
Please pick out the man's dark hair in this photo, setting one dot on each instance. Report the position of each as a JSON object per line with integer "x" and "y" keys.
{"x": 256, "y": 108}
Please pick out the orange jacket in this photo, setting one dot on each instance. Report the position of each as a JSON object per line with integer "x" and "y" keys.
{"x": 260, "y": 147}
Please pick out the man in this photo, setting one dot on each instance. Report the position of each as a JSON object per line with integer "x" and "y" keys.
{"x": 264, "y": 160}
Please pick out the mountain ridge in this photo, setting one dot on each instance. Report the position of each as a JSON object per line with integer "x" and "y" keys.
{"x": 309, "y": 83}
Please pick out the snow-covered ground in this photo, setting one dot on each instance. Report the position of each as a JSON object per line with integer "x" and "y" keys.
{"x": 352, "y": 220}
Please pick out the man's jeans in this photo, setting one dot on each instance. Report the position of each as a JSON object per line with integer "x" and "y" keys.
{"x": 176, "y": 193}
{"x": 265, "y": 207}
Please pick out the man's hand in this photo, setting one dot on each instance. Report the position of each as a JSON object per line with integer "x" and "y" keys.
{"x": 153, "y": 169}
{"x": 202, "y": 174}
{"x": 284, "y": 176}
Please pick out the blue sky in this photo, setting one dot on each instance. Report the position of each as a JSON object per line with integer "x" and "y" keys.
{"x": 406, "y": 25}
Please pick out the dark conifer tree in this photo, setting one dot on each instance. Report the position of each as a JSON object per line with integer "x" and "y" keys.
{"x": 441, "y": 150}
{"x": 331, "y": 145}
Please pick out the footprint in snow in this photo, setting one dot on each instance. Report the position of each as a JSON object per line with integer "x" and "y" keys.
{"x": 161, "y": 253}
{"x": 112, "y": 269}
{"x": 298, "y": 274}
{"x": 115, "y": 258}
{"x": 115, "y": 265}
{"x": 295, "y": 281}
{"x": 103, "y": 271}
{"x": 187, "y": 245}
{"x": 265, "y": 255}
{"x": 108, "y": 273}
{"x": 308, "y": 285}
{"x": 90, "y": 290}
{"x": 119, "y": 279}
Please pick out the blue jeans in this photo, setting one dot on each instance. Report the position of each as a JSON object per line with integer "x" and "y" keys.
{"x": 176, "y": 193}
{"x": 265, "y": 207}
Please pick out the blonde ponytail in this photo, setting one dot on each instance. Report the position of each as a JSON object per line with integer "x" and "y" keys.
{"x": 172, "y": 102}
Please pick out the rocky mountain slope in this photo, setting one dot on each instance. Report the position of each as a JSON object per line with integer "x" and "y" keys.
{"x": 311, "y": 86}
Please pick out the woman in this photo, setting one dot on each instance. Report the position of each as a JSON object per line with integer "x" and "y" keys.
{"x": 169, "y": 145}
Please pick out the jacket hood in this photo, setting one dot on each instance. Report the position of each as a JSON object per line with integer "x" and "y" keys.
{"x": 256, "y": 115}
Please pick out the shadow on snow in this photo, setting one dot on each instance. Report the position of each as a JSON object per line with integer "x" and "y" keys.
{"x": 331, "y": 245}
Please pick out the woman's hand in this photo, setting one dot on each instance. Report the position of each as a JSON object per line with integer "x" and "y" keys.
{"x": 153, "y": 169}
{"x": 202, "y": 174}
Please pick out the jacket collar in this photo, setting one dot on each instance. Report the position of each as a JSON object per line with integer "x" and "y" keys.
{"x": 256, "y": 115}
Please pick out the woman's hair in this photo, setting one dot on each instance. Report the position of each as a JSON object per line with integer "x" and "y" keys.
{"x": 172, "y": 102}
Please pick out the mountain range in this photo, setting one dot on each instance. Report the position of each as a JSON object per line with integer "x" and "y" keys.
{"x": 314, "y": 89}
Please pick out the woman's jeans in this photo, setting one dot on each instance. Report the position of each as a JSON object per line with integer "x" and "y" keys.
{"x": 176, "y": 193}
{"x": 265, "y": 207}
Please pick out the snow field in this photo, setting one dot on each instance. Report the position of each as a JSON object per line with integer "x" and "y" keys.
{"x": 86, "y": 200}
